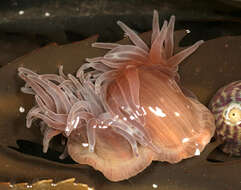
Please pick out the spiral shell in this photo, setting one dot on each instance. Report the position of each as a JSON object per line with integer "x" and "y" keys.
{"x": 226, "y": 107}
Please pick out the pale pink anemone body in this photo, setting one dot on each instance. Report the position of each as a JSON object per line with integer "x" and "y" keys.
{"x": 126, "y": 111}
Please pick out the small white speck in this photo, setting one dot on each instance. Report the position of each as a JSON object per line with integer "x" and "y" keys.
{"x": 116, "y": 117}
{"x": 124, "y": 118}
{"x": 197, "y": 152}
{"x": 104, "y": 127}
{"x": 72, "y": 122}
{"x": 76, "y": 123}
{"x": 29, "y": 186}
{"x": 91, "y": 148}
{"x": 177, "y": 114}
{"x": 85, "y": 144}
{"x": 21, "y": 12}
{"x": 47, "y": 14}
{"x": 139, "y": 114}
{"x": 144, "y": 111}
{"x": 188, "y": 31}
{"x": 157, "y": 111}
{"x": 132, "y": 117}
{"x": 53, "y": 184}
{"x": 11, "y": 186}
{"x": 154, "y": 185}
{"x": 184, "y": 140}
{"x": 21, "y": 109}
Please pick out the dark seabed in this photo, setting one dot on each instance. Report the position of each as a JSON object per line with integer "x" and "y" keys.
{"x": 31, "y": 35}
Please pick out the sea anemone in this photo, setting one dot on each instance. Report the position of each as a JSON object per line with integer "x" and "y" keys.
{"x": 138, "y": 84}
{"x": 125, "y": 109}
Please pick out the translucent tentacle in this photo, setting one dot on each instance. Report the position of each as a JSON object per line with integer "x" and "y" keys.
{"x": 94, "y": 60}
{"x": 179, "y": 57}
{"x": 53, "y": 77}
{"x": 60, "y": 99}
{"x": 96, "y": 66}
{"x": 40, "y": 91}
{"x": 105, "y": 45}
{"x": 125, "y": 53}
{"x": 64, "y": 154}
{"x": 26, "y": 71}
{"x": 169, "y": 41}
{"x": 129, "y": 138}
{"x": 48, "y": 135}
{"x": 72, "y": 121}
{"x": 31, "y": 115}
{"x": 133, "y": 36}
{"x": 156, "y": 52}
{"x": 27, "y": 90}
{"x": 96, "y": 106}
{"x": 72, "y": 98}
{"x": 52, "y": 115}
{"x": 155, "y": 26}
{"x": 91, "y": 127}
{"x": 61, "y": 72}
{"x": 51, "y": 123}
{"x": 134, "y": 84}
{"x": 105, "y": 76}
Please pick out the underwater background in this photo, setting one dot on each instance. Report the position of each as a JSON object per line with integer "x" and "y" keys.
{"x": 30, "y": 29}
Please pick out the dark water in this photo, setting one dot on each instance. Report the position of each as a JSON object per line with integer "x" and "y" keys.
{"x": 214, "y": 65}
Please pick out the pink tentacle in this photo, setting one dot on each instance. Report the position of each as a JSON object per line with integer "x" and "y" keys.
{"x": 105, "y": 45}
{"x": 91, "y": 127}
{"x": 133, "y": 36}
{"x": 62, "y": 118}
{"x": 169, "y": 41}
{"x": 53, "y": 77}
{"x": 51, "y": 123}
{"x": 48, "y": 135}
{"x": 156, "y": 52}
{"x": 31, "y": 115}
{"x": 40, "y": 91}
{"x": 105, "y": 76}
{"x": 155, "y": 26}
{"x": 61, "y": 72}
{"x": 60, "y": 99}
{"x": 179, "y": 57}
{"x": 72, "y": 118}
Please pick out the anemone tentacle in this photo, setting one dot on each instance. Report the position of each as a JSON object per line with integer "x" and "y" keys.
{"x": 66, "y": 103}
{"x": 160, "y": 52}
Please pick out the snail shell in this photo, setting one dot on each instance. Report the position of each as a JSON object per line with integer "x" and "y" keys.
{"x": 226, "y": 107}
